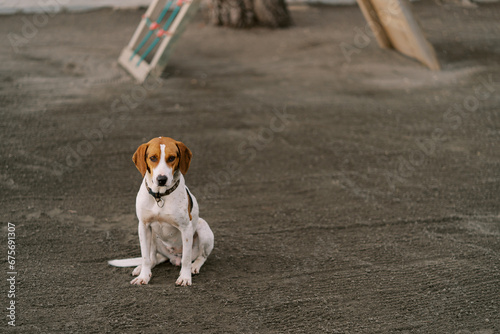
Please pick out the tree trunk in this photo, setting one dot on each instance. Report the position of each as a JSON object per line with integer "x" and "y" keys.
{"x": 247, "y": 13}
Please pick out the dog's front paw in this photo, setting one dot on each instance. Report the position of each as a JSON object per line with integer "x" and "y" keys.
{"x": 183, "y": 280}
{"x": 141, "y": 280}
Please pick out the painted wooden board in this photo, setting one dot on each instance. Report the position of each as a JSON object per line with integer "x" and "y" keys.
{"x": 394, "y": 26}
{"x": 153, "y": 41}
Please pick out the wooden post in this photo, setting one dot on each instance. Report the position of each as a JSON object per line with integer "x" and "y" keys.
{"x": 394, "y": 26}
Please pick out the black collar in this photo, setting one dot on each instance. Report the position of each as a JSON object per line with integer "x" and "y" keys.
{"x": 158, "y": 196}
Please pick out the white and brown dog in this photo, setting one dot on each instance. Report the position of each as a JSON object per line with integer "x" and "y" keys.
{"x": 169, "y": 223}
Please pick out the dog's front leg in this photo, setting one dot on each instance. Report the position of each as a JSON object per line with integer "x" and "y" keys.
{"x": 187, "y": 249}
{"x": 148, "y": 251}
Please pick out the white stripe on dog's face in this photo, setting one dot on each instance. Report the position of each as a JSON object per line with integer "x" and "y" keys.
{"x": 163, "y": 175}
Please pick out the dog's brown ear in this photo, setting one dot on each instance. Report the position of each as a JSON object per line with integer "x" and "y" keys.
{"x": 185, "y": 157}
{"x": 139, "y": 158}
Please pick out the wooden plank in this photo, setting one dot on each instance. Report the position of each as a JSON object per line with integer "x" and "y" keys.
{"x": 153, "y": 10}
{"x": 178, "y": 27}
{"x": 401, "y": 28}
{"x": 375, "y": 24}
{"x": 140, "y": 69}
{"x": 141, "y": 72}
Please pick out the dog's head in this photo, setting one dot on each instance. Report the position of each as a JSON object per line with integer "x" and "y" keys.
{"x": 163, "y": 158}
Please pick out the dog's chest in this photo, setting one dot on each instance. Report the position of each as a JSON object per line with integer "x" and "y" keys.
{"x": 169, "y": 212}
{"x": 165, "y": 222}
{"x": 170, "y": 235}
{"x": 157, "y": 215}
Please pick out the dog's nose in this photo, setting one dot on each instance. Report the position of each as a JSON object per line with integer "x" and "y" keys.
{"x": 162, "y": 180}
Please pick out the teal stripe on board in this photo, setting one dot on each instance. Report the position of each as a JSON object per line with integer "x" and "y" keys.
{"x": 148, "y": 35}
{"x": 157, "y": 39}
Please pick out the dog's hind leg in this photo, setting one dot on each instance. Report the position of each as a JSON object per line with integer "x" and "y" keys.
{"x": 205, "y": 245}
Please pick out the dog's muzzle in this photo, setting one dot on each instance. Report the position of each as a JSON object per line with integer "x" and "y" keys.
{"x": 161, "y": 180}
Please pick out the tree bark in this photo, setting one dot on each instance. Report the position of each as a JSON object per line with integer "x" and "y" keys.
{"x": 247, "y": 13}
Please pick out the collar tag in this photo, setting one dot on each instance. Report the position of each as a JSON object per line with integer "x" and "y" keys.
{"x": 158, "y": 196}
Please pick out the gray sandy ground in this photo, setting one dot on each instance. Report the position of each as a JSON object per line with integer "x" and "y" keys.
{"x": 348, "y": 192}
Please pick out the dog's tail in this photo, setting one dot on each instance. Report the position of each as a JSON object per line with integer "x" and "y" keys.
{"x": 126, "y": 262}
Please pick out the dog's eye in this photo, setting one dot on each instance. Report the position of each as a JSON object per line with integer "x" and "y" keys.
{"x": 153, "y": 158}
{"x": 171, "y": 158}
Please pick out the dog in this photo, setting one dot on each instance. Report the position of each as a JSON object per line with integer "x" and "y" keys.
{"x": 169, "y": 224}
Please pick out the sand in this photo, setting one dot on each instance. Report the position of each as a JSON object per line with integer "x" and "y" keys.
{"x": 348, "y": 192}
